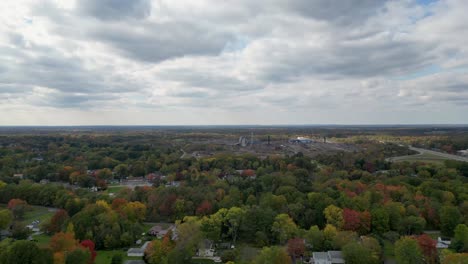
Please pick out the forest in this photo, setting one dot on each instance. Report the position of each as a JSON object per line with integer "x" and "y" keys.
{"x": 105, "y": 188}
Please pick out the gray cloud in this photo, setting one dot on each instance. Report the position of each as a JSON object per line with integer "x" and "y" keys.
{"x": 343, "y": 12}
{"x": 297, "y": 56}
{"x": 115, "y": 9}
{"x": 154, "y": 42}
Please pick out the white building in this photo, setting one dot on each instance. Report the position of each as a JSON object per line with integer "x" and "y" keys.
{"x": 205, "y": 249}
{"x": 442, "y": 243}
{"x": 330, "y": 257}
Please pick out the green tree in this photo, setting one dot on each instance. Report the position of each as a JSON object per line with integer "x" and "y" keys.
{"x": 27, "y": 252}
{"x": 315, "y": 238}
{"x": 272, "y": 255}
{"x": 5, "y": 218}
{"x": 407, "y": 251}
{"x": 450, "y": 217}
{"x": 283, "y": 228}
{"x": 355, "y": 253}
{"x": 380, "y": 221}
{"x": 234, "y": 218}
{"x": 78, "y": 256}
{"x": 460, "y": 240}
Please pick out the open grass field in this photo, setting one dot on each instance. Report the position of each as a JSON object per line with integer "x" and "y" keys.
{"x": 424, "y": 157}
{"x": 115, "y": 189}
{"x": 42, "y": 239}
{"x": 105, "y": 256}
{"x": 202, "y": 261}
{"x": 40, "y": 213}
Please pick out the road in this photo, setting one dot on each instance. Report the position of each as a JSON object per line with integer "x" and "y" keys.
{"x": 436, "y": 153}
{"x": 440, "y": 154}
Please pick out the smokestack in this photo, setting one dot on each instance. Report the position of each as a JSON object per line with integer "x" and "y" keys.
{"x": 268, "y": 139}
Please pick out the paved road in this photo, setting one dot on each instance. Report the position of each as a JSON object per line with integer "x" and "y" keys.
{"x": 436, "y": 153}
{"x": 440, "y": 154}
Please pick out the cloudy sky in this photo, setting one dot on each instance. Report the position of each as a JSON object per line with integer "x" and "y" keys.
{"x": 165, "y": 62}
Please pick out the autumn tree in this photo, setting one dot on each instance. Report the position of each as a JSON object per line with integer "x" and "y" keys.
{"x": 135, "y": 211}
{"x": 104, "y": 174}
{"x": 204, "y": 208}
{"x": 428, "y": 248}
{"x": 352, "y": 220}
{"x": 57, "y": 222}
{"x": 158, "y": 250}
{"x": 62, "y": 242}
{"x": 91, "y": 247}
{"x": 334, "y": 216}
{"x": 296, "y": 248}
{"x": 18, "y": 207}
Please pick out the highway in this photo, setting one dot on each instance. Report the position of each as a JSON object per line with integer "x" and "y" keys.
{"x": 436, "y": 153}
{"x": 440, "y": 154}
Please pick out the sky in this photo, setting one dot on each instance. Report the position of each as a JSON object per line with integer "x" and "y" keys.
{"x": 211, "y": 62}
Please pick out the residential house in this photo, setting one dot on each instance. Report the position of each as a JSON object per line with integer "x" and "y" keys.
{"x": 205, "y": 249}
{"x": 442, "y": 243}
{"x": 330, "y": 257}
{"x": 159, "y": 232}
{"x": 18, "y": 176}
{"x": 134, "y": 261}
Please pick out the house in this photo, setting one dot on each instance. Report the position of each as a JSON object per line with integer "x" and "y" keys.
{"x": 159, "y": 232}
{"x": 205, "y": 249}
{"x": 302, "y": 140}
{"x": 330, "y": 257}
{"x": 44, "y": 181}
{"x": 173, "y": 184}
{"x": 135, "y": 261}
{"x": 138, "y": 252}
{"x": 18, "y": 176}
{"x": 34, "y": 226}
{"x": 442, "y": 243}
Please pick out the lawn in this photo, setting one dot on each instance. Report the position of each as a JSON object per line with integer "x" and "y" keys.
{"x": 202, "y": 261}
{"x": 115, "y": 189}
{"x": 42, "y": 239}
{"x": 425, "y": 157}
{"x": 40, "y": 213}
{"x": 105, "y": 256}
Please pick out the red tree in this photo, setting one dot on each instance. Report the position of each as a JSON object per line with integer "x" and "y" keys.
{"x": 118, "y": 203}
{"x": 204, "y": 208}
{"x": 57, "y": 221}
{"x": 89, "y": 245}
{"x": 365, "y": 223}
{"x": 17, "y": 207}
{"x": 428, "y": 247}
{"x": 296, "y": 247}
{"x": 352, "y": 219}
